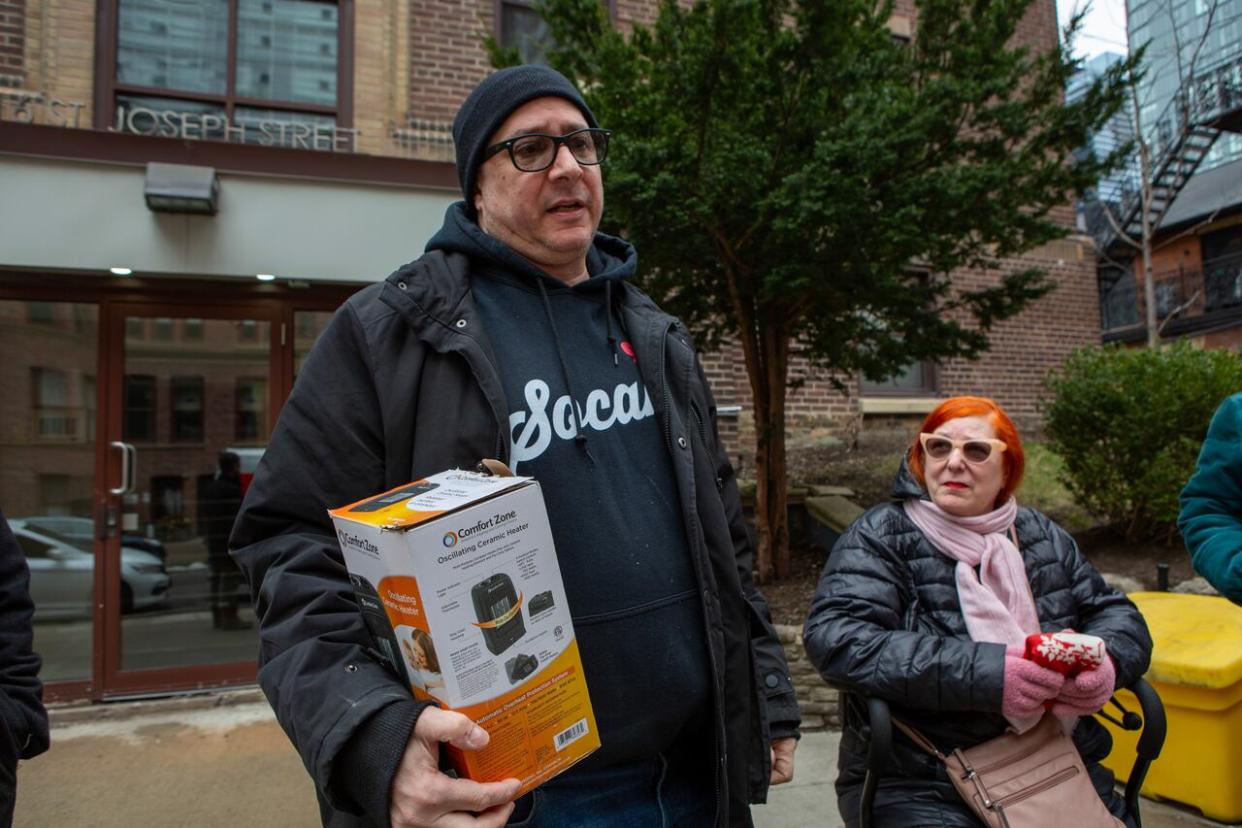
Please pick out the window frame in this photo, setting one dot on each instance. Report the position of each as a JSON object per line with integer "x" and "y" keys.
{"x": 107, "y": 26}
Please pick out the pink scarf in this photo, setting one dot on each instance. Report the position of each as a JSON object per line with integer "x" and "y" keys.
{"x": 997, "y": 602}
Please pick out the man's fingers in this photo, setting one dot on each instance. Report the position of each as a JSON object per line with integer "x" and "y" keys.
{"x": 783, "y": 760}
{"x": 495, "y": 817}
{"x": 468, "y": 795}
{"x": 436, "y": 725}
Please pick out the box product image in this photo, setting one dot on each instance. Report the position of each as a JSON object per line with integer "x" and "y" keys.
{"x": 500, "y": 617}
{"x": 443, "y": 570}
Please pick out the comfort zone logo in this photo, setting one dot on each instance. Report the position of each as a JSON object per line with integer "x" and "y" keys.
{"x": 449, "y": 540}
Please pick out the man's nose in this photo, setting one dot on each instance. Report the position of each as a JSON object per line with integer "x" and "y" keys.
{"x": 565, "y": 164}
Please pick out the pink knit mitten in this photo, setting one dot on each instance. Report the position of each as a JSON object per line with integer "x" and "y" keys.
{"x": 1087, "y": 692}
{"x": 1027, "y": 686}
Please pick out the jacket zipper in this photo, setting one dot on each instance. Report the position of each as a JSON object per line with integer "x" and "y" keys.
{"x": 696, "y": 544}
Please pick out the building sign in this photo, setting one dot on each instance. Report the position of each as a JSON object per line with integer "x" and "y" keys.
{"x": 39, "y": 108}
{"x": 212, "y": 127}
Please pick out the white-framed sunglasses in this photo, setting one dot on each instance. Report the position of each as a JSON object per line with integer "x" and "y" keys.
{"x": 976, "y": 450}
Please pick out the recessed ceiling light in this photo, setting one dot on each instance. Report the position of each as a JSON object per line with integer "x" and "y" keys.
{"x": 121, "y": 271}
{"x": 265, "y": 277}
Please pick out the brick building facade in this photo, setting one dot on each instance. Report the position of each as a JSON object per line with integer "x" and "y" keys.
{"x": 325, "y": 183}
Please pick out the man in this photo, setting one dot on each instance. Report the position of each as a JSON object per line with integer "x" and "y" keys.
{"x": 219, "y": 499}
{"x": 23, "y": 721}
{"x": 516, "y": 336}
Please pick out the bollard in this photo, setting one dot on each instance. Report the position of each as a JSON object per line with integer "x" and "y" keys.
{"x": 1162, "y": 577}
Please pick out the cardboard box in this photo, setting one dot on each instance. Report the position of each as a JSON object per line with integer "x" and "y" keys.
{"x": 457, "y": 580}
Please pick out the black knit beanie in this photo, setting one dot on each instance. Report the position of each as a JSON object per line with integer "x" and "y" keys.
{"x": 494, "y": 100}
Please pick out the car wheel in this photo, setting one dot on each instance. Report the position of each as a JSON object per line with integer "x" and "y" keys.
{"x": 127, "y": 598}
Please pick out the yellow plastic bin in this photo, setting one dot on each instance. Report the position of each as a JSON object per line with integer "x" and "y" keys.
{"x": 1196, "y": 667}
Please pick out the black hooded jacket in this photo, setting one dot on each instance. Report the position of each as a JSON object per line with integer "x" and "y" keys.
{"x": 404, "y": 383}
{"x": 886, "y": 621}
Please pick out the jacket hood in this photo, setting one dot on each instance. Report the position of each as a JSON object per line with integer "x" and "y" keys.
{"x": 609, "y": 258}
{"x": 905, "y": 484}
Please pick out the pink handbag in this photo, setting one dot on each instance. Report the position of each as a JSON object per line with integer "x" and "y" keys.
{"x": 1032, "y": 779}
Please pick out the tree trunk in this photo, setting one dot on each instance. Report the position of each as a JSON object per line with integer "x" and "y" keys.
{"x": 768, "y": 384}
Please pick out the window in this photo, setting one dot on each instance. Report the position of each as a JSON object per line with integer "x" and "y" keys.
{"x": 193, "y": 330}
{"x": 55, "y": 416}
{"x": 247, "y": 331}
{"x": 139, "y": 402}
{"x": 231, "y": 70}
{"x": 523, "y": 29}
{"x": 251, "y": 409}
{"x": 520, "y": 27}
{"x": 162, "y": 329}
{"x": 915, "y": 380}
{"x": 33, "y": 548}
{"x": 40, "y": 313}
{"x": 187, "y": 408}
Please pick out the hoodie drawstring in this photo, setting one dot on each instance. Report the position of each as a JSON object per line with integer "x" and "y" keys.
{"x": 612, "y": 340}
{"x": 580, "y": 438}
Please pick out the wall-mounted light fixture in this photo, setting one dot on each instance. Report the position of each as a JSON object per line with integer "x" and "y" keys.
{"x": 181, "y": 188}
{"x": 265, "y": 277}
{"x": 121, "y": 271}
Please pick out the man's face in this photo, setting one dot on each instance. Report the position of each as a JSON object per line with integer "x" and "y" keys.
{"x": 550, "y": 216}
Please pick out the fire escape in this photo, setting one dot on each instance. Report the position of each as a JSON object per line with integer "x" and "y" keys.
{"x": 1184, "y": 133}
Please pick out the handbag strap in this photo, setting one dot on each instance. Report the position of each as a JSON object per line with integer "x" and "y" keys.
{"x": 918, "y": 739}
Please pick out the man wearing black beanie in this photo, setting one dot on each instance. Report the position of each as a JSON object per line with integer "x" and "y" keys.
{"x": 517, "y": 336}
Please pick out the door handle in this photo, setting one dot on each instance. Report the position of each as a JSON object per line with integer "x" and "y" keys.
{"x": 128, "y": 463}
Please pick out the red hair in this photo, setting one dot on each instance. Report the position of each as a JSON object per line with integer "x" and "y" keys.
{"x": 955, "y": 407}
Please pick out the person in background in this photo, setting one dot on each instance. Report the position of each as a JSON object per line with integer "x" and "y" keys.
{"x": 23, "y": 720}
{"x": 219, "y": 500}
{"x": 518, "y": 336}
{"x": 1211, "y": 516}
{"x": 926, "y": 602}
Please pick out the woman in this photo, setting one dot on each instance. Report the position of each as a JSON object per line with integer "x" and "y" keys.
{"x": 924, "y": 602}
{"x": 420, "y": 655}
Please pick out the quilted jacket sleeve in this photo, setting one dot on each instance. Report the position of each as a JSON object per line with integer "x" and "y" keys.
{"x": 1211, "y": 516}
{"x": 856, "y": 632}
{"x": 326, "y": 450}
{"x": 1104, "y": 611}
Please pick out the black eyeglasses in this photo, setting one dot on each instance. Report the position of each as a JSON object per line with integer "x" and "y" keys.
{"x": 535, "y": 151}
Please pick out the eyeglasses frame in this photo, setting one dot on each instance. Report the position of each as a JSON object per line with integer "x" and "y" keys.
{"x": 557, "y": 141}
{"x": 960, "y": 445}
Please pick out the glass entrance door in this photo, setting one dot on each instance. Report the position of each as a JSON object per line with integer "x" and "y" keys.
{"x": 49, "y": 362}
{"x": 191, "y": 404}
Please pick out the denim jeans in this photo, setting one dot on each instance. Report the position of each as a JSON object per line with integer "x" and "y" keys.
{"x": 655, "y": 793}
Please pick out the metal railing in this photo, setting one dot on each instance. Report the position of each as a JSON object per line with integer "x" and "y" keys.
{"x": 1214, "y": 288}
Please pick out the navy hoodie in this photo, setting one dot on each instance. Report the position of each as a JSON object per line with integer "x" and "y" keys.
{"x": 607, "y": 479}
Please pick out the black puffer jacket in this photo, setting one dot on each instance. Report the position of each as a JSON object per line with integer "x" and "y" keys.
{"x": 402, "y": 384}
{"x": 886, "y": 621}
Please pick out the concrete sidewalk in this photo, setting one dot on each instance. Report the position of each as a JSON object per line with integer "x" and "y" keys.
{"x": 222, "y": 760}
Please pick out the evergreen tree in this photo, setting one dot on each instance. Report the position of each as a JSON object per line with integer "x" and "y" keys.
{"x": 798, "y": 180}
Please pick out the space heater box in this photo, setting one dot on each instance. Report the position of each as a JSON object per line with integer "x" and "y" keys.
{"x": 457, "y": 581}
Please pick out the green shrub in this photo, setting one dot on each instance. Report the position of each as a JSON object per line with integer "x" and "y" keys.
{"x": 1128, "y": 424}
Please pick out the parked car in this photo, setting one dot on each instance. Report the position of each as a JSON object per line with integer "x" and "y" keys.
{"x": 62, "y": 575}
{"x": 80, "y": 532}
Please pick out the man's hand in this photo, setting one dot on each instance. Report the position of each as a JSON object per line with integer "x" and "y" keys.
{"x": 423, "y": 796}
{"x": 783, "y": 759}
